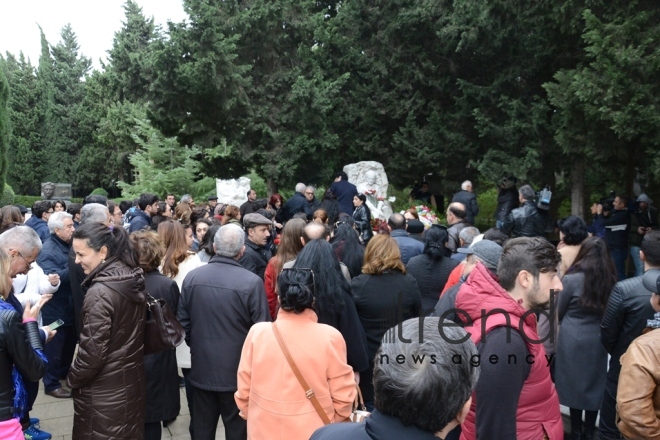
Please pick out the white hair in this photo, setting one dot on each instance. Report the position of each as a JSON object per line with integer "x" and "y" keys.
{"x": 311, "y": 188}
{"x": 465, "y": 185}
{"x": 56, "y": 221}
{"x": 186, "y": 198}
{"x": 94, "y": 212}
{"x": 229, "y": 240}
{"x": 21, "y": 238}
{"x": 300, "y": 187}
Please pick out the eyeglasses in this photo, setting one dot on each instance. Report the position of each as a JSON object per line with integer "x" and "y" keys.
{"x": 303, "y": 270}
{"x": 309, "y": 193}
{"x": 24, "y": 259}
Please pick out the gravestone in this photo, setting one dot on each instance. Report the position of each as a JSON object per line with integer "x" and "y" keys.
{"x": 232, "y": 191}
{"x": 56, "y": 191}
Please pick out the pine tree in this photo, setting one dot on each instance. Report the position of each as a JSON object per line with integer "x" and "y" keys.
{"x": 5, "y": 129}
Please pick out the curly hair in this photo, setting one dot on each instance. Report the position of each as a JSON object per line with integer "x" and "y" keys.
{"x": 382, "y": 254}
{"x": 149, "y": 248}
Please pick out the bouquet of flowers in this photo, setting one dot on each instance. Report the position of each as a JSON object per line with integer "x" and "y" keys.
{"x": 426, "y": 216}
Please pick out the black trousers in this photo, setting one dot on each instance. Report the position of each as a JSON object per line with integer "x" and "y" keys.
{"x": 209, "y": 406}
{"x": 189, "y": 398}
{"x": 59, "y": 352}
{"x": 607, "y": 429}
{"x": 153, "y": 431}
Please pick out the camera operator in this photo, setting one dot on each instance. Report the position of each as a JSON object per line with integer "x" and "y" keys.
{"x": 597, "y": 228}
{"x": 528, "y": 220}
{"x": 507, "y": 199}
{"x": 617, "y": 225}
{"x": 644, "y": 219}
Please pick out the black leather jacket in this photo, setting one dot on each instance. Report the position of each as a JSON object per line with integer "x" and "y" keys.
{"x": 507, "y": 201}
{"x": 363, "y": 222}
{"x": 625, "y": 318}
{"x": 527, "y": 221}
{"x": 17, "y": 348}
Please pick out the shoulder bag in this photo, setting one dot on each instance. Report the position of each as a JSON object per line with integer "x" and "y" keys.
{"x": 162, "y": 331}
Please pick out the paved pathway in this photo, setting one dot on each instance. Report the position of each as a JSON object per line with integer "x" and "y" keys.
{"x": 56, "y": 417}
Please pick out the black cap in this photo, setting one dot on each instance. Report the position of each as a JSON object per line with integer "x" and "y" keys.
{"x": 651, "y": 280}
{"x": 213, "y": 198}
{"x": 22, "y": 208}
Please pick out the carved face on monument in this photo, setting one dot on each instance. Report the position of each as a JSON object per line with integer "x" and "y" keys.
{"x": 371, "y": 178}
{"x": 48, "y": 190}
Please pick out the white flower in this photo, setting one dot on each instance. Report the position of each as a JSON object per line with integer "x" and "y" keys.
{"x": 391, "y": 199}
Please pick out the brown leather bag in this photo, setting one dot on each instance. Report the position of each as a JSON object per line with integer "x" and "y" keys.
{"x": 162, "y": 331}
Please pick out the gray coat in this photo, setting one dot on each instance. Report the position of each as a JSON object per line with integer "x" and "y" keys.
{"x": 581, "y": 363}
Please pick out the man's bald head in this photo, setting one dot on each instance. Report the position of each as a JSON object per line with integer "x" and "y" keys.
{"x": 396, "y": 221}
{"x": 315, "y": 231}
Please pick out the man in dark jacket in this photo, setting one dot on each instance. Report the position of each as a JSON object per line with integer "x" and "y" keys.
{"x": 408, "y": 246}
{"x": 147, "y": 208}
{"x": 528, "y": 220}
{"x": 469, "y": 200}
{"x": 617, "y": 226}
{"x": 627, "y": 311}
{"x": 219, "y": 303}
{"x": 246, "y": 208}
{"x": 256, "y": 255}
{"x": 293, "y": 206}
{"x": 507, "y": 199}
{"x": 312, "y": 202}
{"x": 644, "y": 219}
{"x": 54, "y": 259}
{"x": 41, "y": 212}
{"x": 404, "y": 409}
{"x": 456, "y": 218}
{"x": 345, "y": 191}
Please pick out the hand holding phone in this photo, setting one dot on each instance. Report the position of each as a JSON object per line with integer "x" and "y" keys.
{"x": 56, "y": 324}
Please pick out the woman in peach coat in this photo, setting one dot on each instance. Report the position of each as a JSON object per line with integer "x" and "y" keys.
{"x": 269, "y": 395}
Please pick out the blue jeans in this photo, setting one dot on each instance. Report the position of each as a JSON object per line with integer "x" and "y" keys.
{"x": 639, "y": 264}
{"x": 620, "y": 255}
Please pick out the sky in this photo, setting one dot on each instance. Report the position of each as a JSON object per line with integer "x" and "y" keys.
{"x": 94, "y": 22}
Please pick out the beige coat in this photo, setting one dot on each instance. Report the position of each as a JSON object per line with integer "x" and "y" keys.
{"x": 269, "y": 395}
{"x": 638, "y": 394}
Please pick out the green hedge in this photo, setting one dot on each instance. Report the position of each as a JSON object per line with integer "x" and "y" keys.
{"x": 27, "y": 201}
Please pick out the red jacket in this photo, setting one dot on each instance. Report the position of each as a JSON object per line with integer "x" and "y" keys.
{"x": 538, "y": 408}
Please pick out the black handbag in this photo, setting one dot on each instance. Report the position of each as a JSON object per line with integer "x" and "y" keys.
{"x": 162, "y": 331}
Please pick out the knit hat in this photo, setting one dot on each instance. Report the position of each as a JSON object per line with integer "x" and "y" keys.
{"x": 415, "y": 227}
{"x": 488, "y": 252}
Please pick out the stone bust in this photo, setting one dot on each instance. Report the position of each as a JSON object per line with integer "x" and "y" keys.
{"x": 47, "y": 190}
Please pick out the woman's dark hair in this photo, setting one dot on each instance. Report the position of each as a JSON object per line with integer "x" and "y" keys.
{"x": 595, "y": 262}
{"x": 61, "y": 202}
{"x": 197, "y": 214}
{"x": 290, "y": 244}
{"x": 206, "y": 244}
{"x": 362, "y": 197}
{"x": 574, "y": 230}
{"x": 296, "y": 290}
{"x": 435, "y": 239}
{"x": 332, "y": 286}
{"x": 231, "y": 212}
{"x": 346, "y": 246}
{"x": 346, "y": 218}
{"x": 116, "y": 240}
{"x": 331, "y": 206}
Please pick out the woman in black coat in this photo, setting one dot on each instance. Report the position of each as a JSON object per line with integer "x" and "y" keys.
{"x": 362, "y": 217}
{"x": 163, "y": 400}
{"x": 581, "y": 363}
{"x": 384, "y": 296}
{"x": 432, "y": 268}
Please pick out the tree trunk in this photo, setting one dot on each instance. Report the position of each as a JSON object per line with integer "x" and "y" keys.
{"x": 272, "y": 187}
{"x": 577, "y": 188}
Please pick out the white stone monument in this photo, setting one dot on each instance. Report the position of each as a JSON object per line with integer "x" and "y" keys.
{"x": 232, "y": 191}
{"x": 371, "y": 180}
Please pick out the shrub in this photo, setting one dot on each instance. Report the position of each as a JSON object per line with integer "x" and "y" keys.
{"x": 99, "y": 192}
{"x": 7, "y": 196}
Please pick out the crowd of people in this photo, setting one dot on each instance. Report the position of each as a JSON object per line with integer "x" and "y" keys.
{"x": 294, "y": 308}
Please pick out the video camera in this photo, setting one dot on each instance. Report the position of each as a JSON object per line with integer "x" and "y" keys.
{"x": 608, "y": 202}
{"x": 543, "y": 198}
